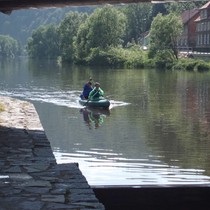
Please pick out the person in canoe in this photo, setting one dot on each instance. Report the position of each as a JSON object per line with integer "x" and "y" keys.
{"x": 96, "y": 93}
{"x": 87, "y": 88}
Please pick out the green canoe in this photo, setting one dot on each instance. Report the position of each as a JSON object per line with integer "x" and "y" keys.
{"x": 100, "y": 103}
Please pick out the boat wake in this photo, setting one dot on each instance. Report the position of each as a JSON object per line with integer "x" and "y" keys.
{"x": 114, "y": 104}
{"x": 69, "y": 98}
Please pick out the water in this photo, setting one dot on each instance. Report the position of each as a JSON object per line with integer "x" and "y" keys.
{"x": 157, "y": 131}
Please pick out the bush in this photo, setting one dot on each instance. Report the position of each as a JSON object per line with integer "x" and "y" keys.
{"x": 164, "y": 59}
{"x": 187, "y": 64}
{"x": 117, "y": 57}
{"x": 202, "y": 66}
{"x": 104, "y": 58}
{"x": 149, "y": 63}
{"x": 190, "y": 66}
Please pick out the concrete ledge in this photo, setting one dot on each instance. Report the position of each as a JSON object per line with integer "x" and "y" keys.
{"x": 30, "y": 178}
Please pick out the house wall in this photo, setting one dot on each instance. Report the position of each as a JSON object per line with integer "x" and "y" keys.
{"x": 188, "y": 38}
{"x": 203, "y": 31}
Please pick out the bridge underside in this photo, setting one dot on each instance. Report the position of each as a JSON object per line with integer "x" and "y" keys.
{"x": 7, "y": 6}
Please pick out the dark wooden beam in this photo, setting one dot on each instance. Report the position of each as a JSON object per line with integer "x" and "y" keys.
{"x": 7, "y": 6}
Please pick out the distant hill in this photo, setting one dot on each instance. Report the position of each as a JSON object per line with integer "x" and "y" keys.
{"x": 21, "y": 23}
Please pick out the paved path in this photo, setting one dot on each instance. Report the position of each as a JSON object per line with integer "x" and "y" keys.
{"x": 30, "y": 178}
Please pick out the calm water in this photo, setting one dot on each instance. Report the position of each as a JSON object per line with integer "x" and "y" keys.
{"x": 156, "y": 133}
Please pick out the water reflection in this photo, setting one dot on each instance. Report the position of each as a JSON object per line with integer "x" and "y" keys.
{"x": 114, "y": 169}
{"x": 94, "y": 118}
{"x": 162, "y": 136}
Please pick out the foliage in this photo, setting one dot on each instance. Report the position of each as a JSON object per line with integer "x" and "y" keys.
{"x": 44, "y": 42}
{"x": 138, "y": 21}
{"x": 163, "y": 58}
{"x": 67, "y": 33}
{"x": 163, "y": 37}
{"x": 179, "y": 7}
{"x": 9, "y": 47}
{"x": 102, "y": 29}
{"x": 159, "y": 8}
{"x": 202, "y": 66}
{"x": 21, "y": 23}
{"x": 80, "y": 43}
{"x": 186, "y": 64}
{"x": 117, "y": 57}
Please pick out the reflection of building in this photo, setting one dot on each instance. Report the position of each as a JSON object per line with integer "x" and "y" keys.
{"x": 203, "y": 29}
{"x": 188, "y": 38}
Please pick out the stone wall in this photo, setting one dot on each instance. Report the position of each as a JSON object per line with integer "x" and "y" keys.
{"x": 30, "y": 178}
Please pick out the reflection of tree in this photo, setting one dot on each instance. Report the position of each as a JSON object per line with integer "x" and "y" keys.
{"x": 94, "y": 118}
{"x": 178, "y": 125}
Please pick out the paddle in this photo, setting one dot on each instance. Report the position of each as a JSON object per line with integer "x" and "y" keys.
{"x": 89, "y": 99}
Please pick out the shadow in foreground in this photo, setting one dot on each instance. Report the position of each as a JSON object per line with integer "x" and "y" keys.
{"x": 154, "y": 198}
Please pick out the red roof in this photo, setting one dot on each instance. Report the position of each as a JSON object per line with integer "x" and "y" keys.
{"x": 207, "y": 5}
{"x": 189, "y": 14}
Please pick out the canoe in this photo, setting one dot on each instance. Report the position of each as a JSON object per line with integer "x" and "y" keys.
{"x": 100, "y": 103}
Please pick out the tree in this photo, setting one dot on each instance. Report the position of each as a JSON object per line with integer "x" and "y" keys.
{"x": 159, "y": 8}
{"x": 67, "y": 33}
{"x": 44, "y": 42}
{"x": 179, "y": 7}
{"x": 138, "y": 21}
{"x": 9, "y": 47}
{"x": 102, "y": 29}
{"x": 163, "y": 36}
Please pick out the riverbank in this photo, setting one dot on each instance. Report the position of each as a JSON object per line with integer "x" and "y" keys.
{"x": 135, "y": 58}
{"x": 30, "y": 178}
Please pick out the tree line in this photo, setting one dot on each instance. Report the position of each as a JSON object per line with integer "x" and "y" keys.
{"x": 112, "y": 35}
{"x": 80, "y": 37}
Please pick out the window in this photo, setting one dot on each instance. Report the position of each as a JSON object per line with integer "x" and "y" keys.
{"x": 204, "y": 39}
{"x": 198, "y": 40}
{"x": 203, "y": 14}
{"x": 199, "y": 26}
{"x": 204, "y": 26}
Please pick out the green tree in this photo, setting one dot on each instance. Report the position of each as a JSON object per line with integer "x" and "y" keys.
{"x": 102, "y": 29}
{"x": 138, "y": 21}
{"x": 159, "y": 8}
{"x": 9, "y": 47}
{"x": 67, "y": 33}
{"x": 179, "y": 7}
{"x": 44, "y": 42}
{"x": 163, "y": 36}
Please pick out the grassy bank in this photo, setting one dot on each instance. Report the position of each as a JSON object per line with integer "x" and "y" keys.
{"x": 119, "y": 58}
{"x": 134, "y": 57}
{"x": 188, "y": 64}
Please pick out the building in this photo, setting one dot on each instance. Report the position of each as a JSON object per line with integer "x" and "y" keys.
{"x": 203, "y": 29}
{"x": 187, "y": 40}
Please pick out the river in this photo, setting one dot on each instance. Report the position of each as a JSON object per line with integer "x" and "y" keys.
{"x": 157, "y": 131}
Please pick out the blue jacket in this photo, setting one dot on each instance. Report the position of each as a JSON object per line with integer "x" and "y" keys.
{"x": 86, "y": 90}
